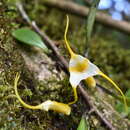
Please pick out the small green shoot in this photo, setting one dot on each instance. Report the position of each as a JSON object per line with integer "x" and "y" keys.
{"x": 83, "y": 125}
{"x": 29, "y": 37}
{"x": 120, "y": 106}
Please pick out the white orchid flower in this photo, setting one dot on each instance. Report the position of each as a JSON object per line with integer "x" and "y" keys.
{"x": 81, "y": 68}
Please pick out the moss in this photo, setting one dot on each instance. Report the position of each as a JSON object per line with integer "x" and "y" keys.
{"x": 30, "y": 90}
{"x": 10, "y": 62}
{"x": 112, "y": 59}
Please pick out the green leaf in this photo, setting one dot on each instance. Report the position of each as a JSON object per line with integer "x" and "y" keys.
{"x": 128, "y": 93}
{"x": 29, "y": 37}
{"x": 91, "y": 18}
{"x": 121, "y": 109}
{"x": 120, "y": 106}
{"x": 83, "y": 125}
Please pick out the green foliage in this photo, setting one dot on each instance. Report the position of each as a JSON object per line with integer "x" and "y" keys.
{"x": 29, "y": 37}
{"x": 83, "y": 125}
{"x": 128, "y": 93}
{"x": 91, "y": 19}
{"x": 120, "y": 106}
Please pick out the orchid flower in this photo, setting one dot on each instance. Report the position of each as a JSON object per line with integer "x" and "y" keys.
{"x": 81, "y": 68}
{"x": 47, "y": 105}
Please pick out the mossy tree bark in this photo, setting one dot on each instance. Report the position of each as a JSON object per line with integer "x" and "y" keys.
{"x": 40, "y": 80}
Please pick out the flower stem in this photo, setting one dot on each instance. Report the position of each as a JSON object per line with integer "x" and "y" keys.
{"x": 75, "y": 96}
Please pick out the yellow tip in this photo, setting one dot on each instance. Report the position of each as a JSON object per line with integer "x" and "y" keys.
{"x": 75, "y": 96}
{"x": 90, "y": 81}
{"x": 66, "y": 41}
{"x": 60, "y": 107}
{"x": 112, "y": 82}
{"x": 19, "y": 98}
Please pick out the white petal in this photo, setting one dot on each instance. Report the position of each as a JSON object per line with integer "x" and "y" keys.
{"x": 46, "y": 105}
{"x": 92, "y": 70}
{"x": 76, "y": 77}
{"x": 74, "y": 61}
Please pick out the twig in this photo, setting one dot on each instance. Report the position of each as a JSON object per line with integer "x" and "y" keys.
{"x": 82, "y": 11}
{"x": 87, "y": 98}
{"x": 48, "y": 41}
{"x": 52, "y": 46}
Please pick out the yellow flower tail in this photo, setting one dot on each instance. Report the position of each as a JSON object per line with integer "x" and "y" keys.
{"x": 19, "y": 98}
{"x": 112, "y": 82}
{"x": 66, "y": 41}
